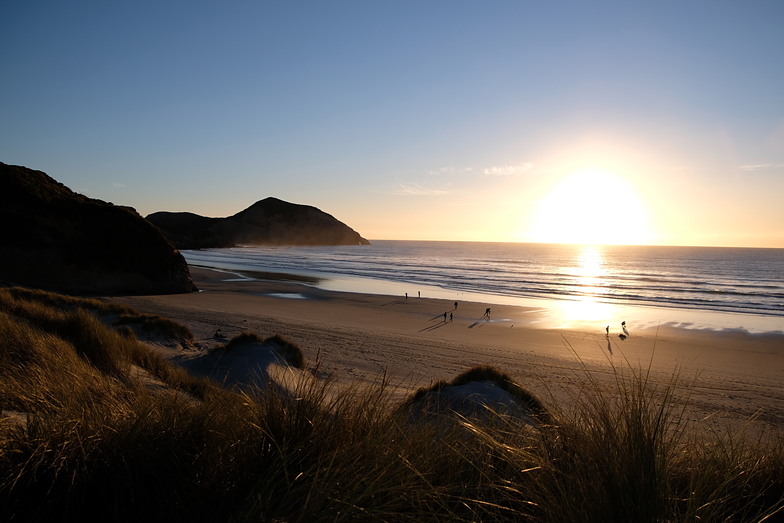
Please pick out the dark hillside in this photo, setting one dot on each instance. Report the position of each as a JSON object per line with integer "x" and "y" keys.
{"x": 267, "y": 222}
{"x": 57, "y": 239}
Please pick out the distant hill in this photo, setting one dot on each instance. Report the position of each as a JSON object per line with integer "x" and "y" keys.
{"x": 267, "y": 222}
{"x": 56, "y": 239}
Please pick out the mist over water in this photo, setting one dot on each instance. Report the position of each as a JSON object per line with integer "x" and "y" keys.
{"x": 735, "y": 280}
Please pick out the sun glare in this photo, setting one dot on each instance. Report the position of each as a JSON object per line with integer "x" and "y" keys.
{"x": 592, "y": 207}
{"x": 589, "y": 274}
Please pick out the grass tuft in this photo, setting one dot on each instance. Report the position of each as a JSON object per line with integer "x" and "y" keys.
{"x": 290, "y": 352}
{"x": 502, "y": 380}
{"x": 151, "y": 323}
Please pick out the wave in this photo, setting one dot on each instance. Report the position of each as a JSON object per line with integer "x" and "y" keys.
{"x": 711, "y": 279}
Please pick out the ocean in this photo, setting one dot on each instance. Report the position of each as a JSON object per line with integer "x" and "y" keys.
{"x": 736, "y": 281}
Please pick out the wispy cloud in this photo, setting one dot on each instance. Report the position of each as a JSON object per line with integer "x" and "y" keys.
{"x": 508, "y": 170}
{"x": 451, "y": 170}
{"x": 415, "y": 189}
{"x": 761, "y": 166}
{"x": 118, "y": 185}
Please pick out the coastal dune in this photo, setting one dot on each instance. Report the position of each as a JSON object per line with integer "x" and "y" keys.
{"x": 728, "y": 377}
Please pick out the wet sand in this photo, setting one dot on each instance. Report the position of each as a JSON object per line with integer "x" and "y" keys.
{"x": 732, "y": 375}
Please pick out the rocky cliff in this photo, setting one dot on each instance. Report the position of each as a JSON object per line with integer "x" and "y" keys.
{"x": 59, "y": 240}
{"x": 267, "y": 222}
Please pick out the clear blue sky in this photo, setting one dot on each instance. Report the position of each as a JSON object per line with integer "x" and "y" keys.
{"x": 421, "y": 120}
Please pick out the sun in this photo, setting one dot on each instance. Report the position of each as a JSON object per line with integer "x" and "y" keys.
{"x": 594, "y": 207}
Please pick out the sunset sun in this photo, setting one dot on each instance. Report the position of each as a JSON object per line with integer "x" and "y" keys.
{"x": 592, "y": 207}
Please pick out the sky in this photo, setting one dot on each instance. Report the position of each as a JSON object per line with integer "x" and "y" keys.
{"x": 588, "y": 122}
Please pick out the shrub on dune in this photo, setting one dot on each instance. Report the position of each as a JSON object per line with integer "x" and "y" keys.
{"x": 480, "y": 390}
{"x": 291, "y": 353}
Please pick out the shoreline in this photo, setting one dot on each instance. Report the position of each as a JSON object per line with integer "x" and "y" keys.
{"x": 731, "y": 376}
{"x": 555, "y": 313}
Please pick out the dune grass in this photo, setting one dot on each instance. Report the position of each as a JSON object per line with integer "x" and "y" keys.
{"x": 152, "y": 323}
{"x": 23, "y": 299}
{"x": 99, "y": 445}
{"x": 32, "y": 320}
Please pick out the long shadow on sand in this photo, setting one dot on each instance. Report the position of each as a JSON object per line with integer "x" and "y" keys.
{"x": 396, "y": 302}
{"x": 434, "y": 327}
{"x": 480, "y": 322}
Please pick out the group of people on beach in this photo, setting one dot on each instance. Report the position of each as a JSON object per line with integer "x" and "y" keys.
{"x": 451, "y": 316}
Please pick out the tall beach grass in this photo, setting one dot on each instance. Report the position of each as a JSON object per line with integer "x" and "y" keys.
{"x": 96, "y": 443}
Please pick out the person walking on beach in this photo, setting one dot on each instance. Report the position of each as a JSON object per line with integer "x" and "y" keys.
{"x": 455, "y": 305}
{"x": 445, "y": 317}
{"x": 406, "y": 295}
{"x": 608, "y": 330}
{"x": 487, "y": 313}
{"x": 450, "y": 316}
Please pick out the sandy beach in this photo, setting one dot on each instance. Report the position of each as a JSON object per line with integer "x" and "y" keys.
{"x": 731, "y": 375}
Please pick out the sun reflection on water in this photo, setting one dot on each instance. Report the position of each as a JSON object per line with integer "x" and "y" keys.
{"x": 589, "y": 280}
